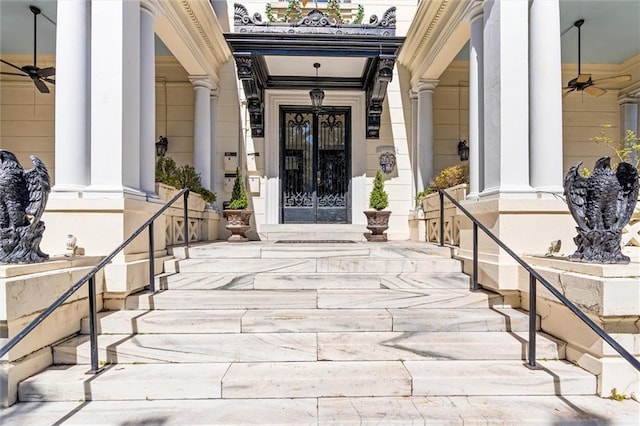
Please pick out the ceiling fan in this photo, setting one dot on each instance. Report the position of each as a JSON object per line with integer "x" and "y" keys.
{"x": 38, "y": 75}
{"x": 583, "y": 82}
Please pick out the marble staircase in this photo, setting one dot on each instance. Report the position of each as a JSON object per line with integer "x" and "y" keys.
{"x": 313, "y": 333}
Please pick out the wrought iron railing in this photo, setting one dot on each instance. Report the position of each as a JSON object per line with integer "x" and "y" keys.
{"x": 90, "y": 278}
{"x": 534, "y": 278}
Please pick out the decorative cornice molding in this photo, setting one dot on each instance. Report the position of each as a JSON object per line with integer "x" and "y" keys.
{"x": 194, "y": 24}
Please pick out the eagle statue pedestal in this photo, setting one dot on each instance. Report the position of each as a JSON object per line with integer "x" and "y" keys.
{"x": 601, "y": 204}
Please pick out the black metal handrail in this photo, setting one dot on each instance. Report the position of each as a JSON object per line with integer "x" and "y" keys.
{"x": 90, "y": 277}
{"x": 534, "y": 277}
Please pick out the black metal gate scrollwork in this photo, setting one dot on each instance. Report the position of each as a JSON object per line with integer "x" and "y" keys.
{"x": 315, "y": 166}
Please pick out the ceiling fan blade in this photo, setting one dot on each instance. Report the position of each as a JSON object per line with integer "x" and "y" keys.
{"x": 11, "y": 65}
{"x": 583, "y": 78}
{"x": 48, "y": 80}
{"x": 616, "y": 79}
{"x": 13, "y": 73}
{"x": 594, "y": 91}
{"x": 565, "y": 94}
{"x": 46, "y": 72}
{"x": 40, "y": 85}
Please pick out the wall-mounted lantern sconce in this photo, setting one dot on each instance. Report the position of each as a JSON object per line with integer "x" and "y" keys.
{"x": 316, "y": 94}
{"x": 463, "y": 150}
{"x": 161, "y": 146}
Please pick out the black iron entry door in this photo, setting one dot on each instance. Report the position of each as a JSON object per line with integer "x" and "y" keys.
{"x": 315, "y": 165}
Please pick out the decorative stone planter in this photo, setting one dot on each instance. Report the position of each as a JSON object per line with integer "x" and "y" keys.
{"x": 238, "y": 222}
{"x": 377, "y": 223}
{"x": 431, "y": 207}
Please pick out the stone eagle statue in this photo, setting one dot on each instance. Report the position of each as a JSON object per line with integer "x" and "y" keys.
{"x": 601, "y": 204}
{"x": 23, "y": 197}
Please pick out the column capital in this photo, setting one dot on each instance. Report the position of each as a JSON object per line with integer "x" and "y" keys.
{"x": 632, "y": 97}
{"x": 475, "y": 11}
{"x": 150, "y": 6}
{"x": 203, "y": 81}
{"x": 413, "y": 95}
{"x": 426, "y": 85}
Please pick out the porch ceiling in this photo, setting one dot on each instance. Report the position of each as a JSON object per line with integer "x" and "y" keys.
{"x": 286, "y": 60}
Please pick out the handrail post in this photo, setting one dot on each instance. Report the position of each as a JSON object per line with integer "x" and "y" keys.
{"x": 532, "y": 321}
{"x": 474, "y": 279}
{"x": 152, "y": 272}
{"x": 186, "y": 219}
{"x": 93, "y": 325}
{"x": 441, "y": 217}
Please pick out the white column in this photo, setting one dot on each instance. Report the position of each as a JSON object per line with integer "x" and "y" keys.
{"x": 545, "y": 99}
{"x": 425, "y": 90}
{"x": 476, "y": 104}
{"x": 115, "y": 101}
{"x": 629, "y": 116}
{"x": 73, "y": 96}
{"x": 414, "y": 143}
{"x": 147, "y": 97}
{"x": 506, "y": 98}
{"x": 213, "y": 100}
{"x": 202, "y": 85}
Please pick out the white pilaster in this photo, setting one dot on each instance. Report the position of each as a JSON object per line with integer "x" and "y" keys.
{"x": 506, "y": 99}
{"x": 545, "y": 100}
{"x": 202, "y": 85}
{"x": 115, "y": 100}
{"x": 213, "y": 101}
{"x": 414, "y": 143}
{"x": 424, "y": 170}
{"x": 147, "y": 97}
{"x": 73, "y": 96}
{"x": 476, "y": 104}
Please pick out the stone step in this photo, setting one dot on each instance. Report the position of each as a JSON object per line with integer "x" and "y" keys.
{"x": 425, "y": 264}
{"x": 307, "y": 346}
{"x": 464, "y": 345}
{"x": 306, "y": 379}
{"x": 313, "y": 232}
{"x": 307, "y": 320}
{"x": 521, "y": 410}
{"x": 471, "y": 378}
{"x": 305, "y": 281}
{"x": 189, "y": 348}
{"x": 310, "y": 299}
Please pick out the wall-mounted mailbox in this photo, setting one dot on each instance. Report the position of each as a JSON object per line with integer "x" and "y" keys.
{"x": 254, "y": 184}
{"x": 230, "y": 161}
{"x": 229, "y": 179}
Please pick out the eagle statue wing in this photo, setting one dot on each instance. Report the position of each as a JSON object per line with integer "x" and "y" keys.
{"x": 39, "y": 186}
{"x": 627, "y": 176}
{"x": 575, "y": 191}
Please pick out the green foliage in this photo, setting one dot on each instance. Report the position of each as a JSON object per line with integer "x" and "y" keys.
{"x": 333, "y": 11}
{"x": 179, "y": 177}
{"x": 359, "y": 16}
{"x": 451, "y": 176}
{"x": 378, "y": 199}
{"x": 269, "y": 13}
{"x": 239, "y": 200}
{"x": 617, "y": 396}
{"x": 293, "y": 13}
{"x": 627, "y": 150}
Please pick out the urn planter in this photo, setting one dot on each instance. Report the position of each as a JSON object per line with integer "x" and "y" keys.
{"x": 377, "y": 223}
{"x": 238, "y": 222}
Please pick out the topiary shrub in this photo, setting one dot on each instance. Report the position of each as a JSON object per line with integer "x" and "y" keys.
{"x": 378, "y": 199}
{"x": 239, "y": 200}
